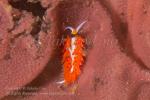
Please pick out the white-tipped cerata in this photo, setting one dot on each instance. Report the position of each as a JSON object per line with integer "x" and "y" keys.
{"x": 80, "y": 26}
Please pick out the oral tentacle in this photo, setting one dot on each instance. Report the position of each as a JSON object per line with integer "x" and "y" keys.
{"x": 80, "y": 26}
{"x": 69, "y": 28}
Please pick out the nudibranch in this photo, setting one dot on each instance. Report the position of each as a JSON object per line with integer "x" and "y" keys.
{"x": 73, "y": 55}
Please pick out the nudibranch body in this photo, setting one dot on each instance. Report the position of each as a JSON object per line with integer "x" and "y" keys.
{"x": 73, "y": 55}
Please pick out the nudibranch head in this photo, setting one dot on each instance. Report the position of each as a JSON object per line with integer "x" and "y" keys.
{"x": 75, "y": 31}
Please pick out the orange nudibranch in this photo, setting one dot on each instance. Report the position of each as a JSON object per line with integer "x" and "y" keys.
{"x": 73, "y": 55}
